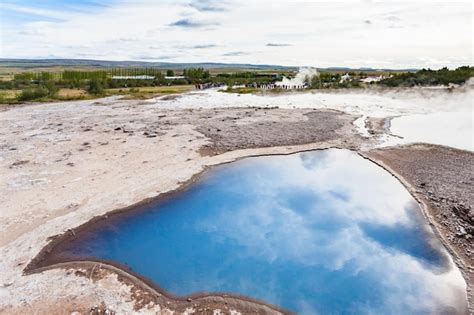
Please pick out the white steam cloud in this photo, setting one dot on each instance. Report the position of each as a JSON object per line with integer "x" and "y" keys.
{"x": 304, "y": 75}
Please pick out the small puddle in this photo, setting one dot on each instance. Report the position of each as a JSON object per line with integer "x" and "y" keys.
{"x": 324, "y": 232}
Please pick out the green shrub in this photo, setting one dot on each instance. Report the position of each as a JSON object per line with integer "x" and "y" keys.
{"x": 95, "y": 87}
{"x": 33, "y": 94}
{"x": 313, "y": 82}
{"x": 426, "y": 77}
{"x": 47, "y": 89}
{"x": 51, "y": 87}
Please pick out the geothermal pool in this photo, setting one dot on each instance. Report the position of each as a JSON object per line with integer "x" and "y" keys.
{"x": 324, "y": 232}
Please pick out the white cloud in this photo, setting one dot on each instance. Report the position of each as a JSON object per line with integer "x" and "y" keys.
{"x": 321, "y": 34}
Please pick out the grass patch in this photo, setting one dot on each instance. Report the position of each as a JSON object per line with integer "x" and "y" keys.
{"x": 72, "y": 94}
{"x": 154, "y": 89}
{"x": 240, "y": 90}
{"x": 10, "y": 93}
{"x": 149, "y": 91}
{"x": 9, "y": 96}
{"x": 14, "y": 96}
{"x": 67, "y": 94}
{"x": 6, "y": 77}
{"x": 251, "y": 90}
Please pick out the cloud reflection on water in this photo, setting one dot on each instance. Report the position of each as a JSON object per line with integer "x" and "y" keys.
{"x": 338, "y": 196}
{"x": 324, "y": 231}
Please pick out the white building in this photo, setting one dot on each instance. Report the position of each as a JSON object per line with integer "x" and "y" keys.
{"x": 175, "y": 77}
{"x": 133, "y": 77}
{"x": 372, "y": 79}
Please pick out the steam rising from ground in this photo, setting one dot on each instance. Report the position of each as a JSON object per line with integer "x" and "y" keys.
{"x": 304, "y": 75}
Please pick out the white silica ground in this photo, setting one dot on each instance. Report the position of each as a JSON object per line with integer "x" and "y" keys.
{"x": 438, "y": 116}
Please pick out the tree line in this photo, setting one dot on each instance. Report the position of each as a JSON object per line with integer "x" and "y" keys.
{"x": 427, "y": 77}
{"x": 45, "y": 85}
{"x": 68, "y": 75}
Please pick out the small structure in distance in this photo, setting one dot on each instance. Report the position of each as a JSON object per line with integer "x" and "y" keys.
{"x": 174, "y": 77}
{"x": 133, "y": 77}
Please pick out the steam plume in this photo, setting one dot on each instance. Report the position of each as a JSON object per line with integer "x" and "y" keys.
{"x": 304, "y": 75}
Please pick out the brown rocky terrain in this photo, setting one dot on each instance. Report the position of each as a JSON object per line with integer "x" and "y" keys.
{"x": 443, "y": 179}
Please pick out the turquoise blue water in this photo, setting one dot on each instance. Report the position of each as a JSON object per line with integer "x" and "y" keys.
{"x": 323, "y": 232}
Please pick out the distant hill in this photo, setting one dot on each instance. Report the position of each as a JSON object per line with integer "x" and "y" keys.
{"x": 364, "y": 69}
{"x": 36, "y": 63}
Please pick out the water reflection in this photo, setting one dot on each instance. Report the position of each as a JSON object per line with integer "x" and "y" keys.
{"x": 320, "y": 232}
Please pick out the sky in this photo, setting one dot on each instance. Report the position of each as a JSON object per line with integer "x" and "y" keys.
{"x": 389, "y": 34}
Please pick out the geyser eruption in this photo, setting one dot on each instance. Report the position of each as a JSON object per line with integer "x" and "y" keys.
{"x": 302, "y": 78}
